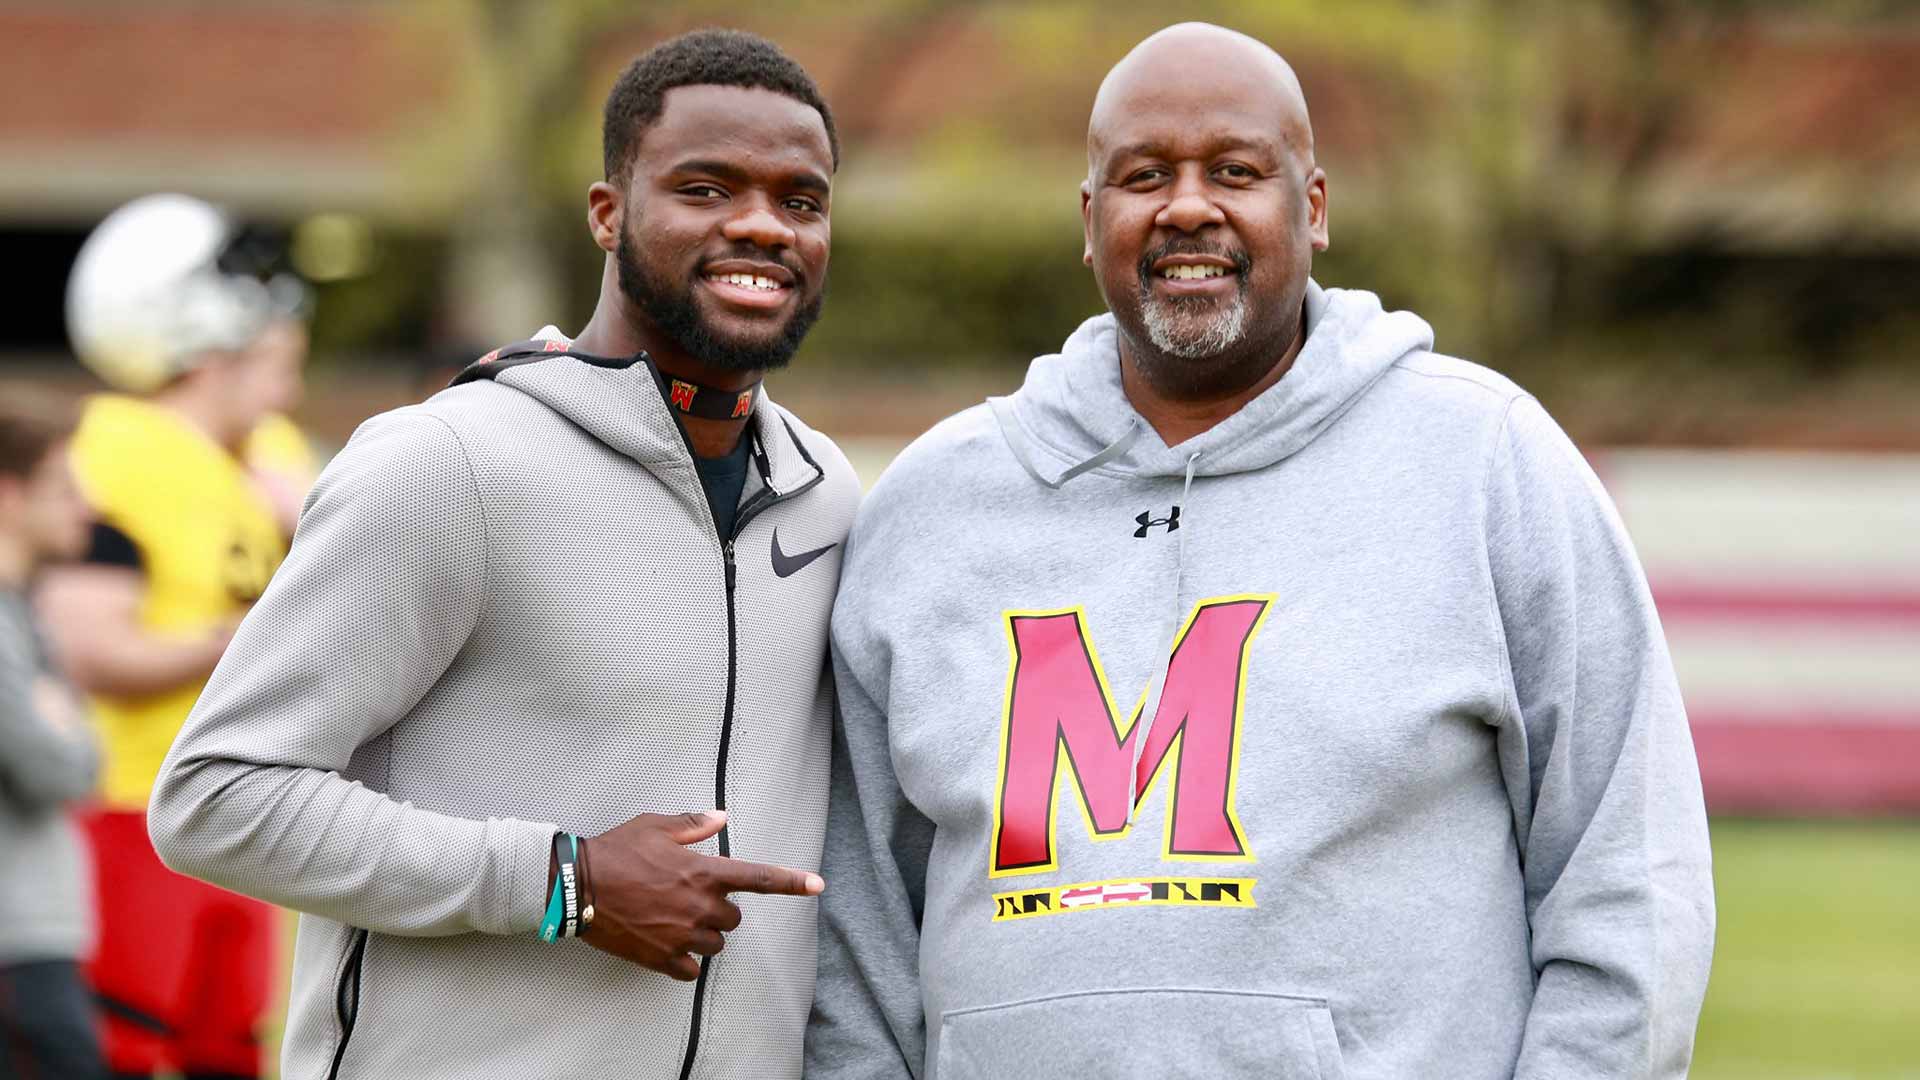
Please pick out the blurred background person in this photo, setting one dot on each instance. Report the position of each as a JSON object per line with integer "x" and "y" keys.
{"x": 165, "y": 303}
{"x": 277, "y": 454}
{"x": 47, "y": 761}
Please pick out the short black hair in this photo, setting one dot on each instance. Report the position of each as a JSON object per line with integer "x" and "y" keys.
{"x": 699, "y": 58}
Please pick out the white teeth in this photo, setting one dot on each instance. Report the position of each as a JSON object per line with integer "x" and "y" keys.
{"x": 750, "y": 281}
{"x": 1182, "y": 273}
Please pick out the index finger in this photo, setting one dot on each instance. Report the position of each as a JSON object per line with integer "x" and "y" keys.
{"x": 738, "y": 875}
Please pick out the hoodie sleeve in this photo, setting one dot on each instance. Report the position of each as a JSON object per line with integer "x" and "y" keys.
{"x": 867, "y": 1017}
{"x": 1599, "y": 766}
{"x": 386, "y": 579}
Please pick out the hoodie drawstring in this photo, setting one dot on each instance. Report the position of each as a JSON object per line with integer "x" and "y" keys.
{"x": 1150, "y": 708}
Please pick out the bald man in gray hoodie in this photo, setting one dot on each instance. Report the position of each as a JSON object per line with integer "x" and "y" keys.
{"x": 1291, "y": 702}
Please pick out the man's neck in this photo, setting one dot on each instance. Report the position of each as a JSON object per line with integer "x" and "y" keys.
{"x": 615, "y": 331}
{"x": 1177, "y": 418}
{"x": 202, "y": 414}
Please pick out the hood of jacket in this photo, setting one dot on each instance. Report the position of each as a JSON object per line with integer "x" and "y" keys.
{"x": 621, "y": 406}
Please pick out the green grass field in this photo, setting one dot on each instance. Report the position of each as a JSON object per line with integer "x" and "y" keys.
{"x": 1816, "y": 975}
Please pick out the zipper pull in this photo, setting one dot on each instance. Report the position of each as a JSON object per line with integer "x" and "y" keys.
{"x": 726, "y": 550}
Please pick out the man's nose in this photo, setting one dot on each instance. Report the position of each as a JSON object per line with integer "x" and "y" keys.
{"x": 1190, "y": 207}
{"x": 761, "y": 227}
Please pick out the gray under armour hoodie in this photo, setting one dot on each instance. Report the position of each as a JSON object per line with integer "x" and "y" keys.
{"x": 1417, "y": 797}
{"x": 507, "y": 610}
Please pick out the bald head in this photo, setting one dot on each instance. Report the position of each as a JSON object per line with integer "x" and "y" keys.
{"x": 1203, "y": 208}
{"x": 1198, "y": 68}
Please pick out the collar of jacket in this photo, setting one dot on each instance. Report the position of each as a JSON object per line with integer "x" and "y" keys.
{"x": 621, "y": 406}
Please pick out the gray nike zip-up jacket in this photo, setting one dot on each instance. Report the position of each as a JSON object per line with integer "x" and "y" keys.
{"x": 507, "y": 611}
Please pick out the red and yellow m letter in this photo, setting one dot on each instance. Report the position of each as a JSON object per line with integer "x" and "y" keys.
{"x": 1061, "y": 721}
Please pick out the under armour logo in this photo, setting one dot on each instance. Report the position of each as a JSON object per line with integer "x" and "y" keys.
{"x": 1146, "y": 521}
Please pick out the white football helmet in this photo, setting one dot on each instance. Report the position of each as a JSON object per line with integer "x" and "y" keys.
{"x": 148, "y": 297}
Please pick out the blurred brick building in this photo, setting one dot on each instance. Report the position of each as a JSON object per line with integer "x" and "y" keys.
{"x": 1692, "y": 151}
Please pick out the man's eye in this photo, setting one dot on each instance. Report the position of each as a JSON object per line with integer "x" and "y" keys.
{"x": 1236, "y": 172}
{"x": 1146, "y": 176}
{"x": 704, "y": 191}
{"x": 802, "y": 206}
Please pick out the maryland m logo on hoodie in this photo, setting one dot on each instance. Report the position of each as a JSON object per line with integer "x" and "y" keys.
{"x": 1061, "y": 728}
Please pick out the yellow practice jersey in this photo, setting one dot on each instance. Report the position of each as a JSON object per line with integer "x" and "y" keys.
{"x": 207, "y": 542}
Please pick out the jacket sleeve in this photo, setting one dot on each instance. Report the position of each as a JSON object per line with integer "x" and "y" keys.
{"x": 385, "y": 581}
{"x": 867, "y": 1017}
{"x": 1599, "y": 767}
{"x": 43, "y": 763}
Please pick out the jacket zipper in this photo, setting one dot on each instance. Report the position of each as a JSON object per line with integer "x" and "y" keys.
{"x": 346, "y": 997}
{"x": 762, "y": 499}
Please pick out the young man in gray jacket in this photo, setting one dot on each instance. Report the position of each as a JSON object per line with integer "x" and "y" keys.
{"x": 47, "y": 762}
{"x": 547, "y": 658}
{"x": 1256, "y": 692}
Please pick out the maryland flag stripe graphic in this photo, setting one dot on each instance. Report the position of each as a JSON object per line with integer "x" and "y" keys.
{"x": 1124, "y": 892}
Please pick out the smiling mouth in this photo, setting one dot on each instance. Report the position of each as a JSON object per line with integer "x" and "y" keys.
{"x": 757, "y": 282}
{"x": 1184, "y": 267}
{"x": 1190, "y": 273}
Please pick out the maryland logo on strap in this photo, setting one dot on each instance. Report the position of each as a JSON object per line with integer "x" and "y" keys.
{"x": 683, "y": 396}
{"x": 708, "y": 402}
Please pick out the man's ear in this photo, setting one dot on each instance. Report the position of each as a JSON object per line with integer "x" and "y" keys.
{"x": 1086, "y": 222}
{"x": 606, "y": 214}
{"x": 1317, "y": 209}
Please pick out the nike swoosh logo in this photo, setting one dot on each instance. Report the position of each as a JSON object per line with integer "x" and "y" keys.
{"x": 785, "y": 565}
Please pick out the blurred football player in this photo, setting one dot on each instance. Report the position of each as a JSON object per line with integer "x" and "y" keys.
{"x": 167, "y": 304}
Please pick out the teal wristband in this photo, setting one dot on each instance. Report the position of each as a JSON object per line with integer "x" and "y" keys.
{"x": 556, "y": 913}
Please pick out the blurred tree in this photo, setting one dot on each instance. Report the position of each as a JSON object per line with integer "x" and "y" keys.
{"x": 518, "y": 80}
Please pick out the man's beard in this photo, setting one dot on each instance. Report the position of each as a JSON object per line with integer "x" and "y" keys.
{"x": 673, "y": 311}
{"x": 1193, "y": 327}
